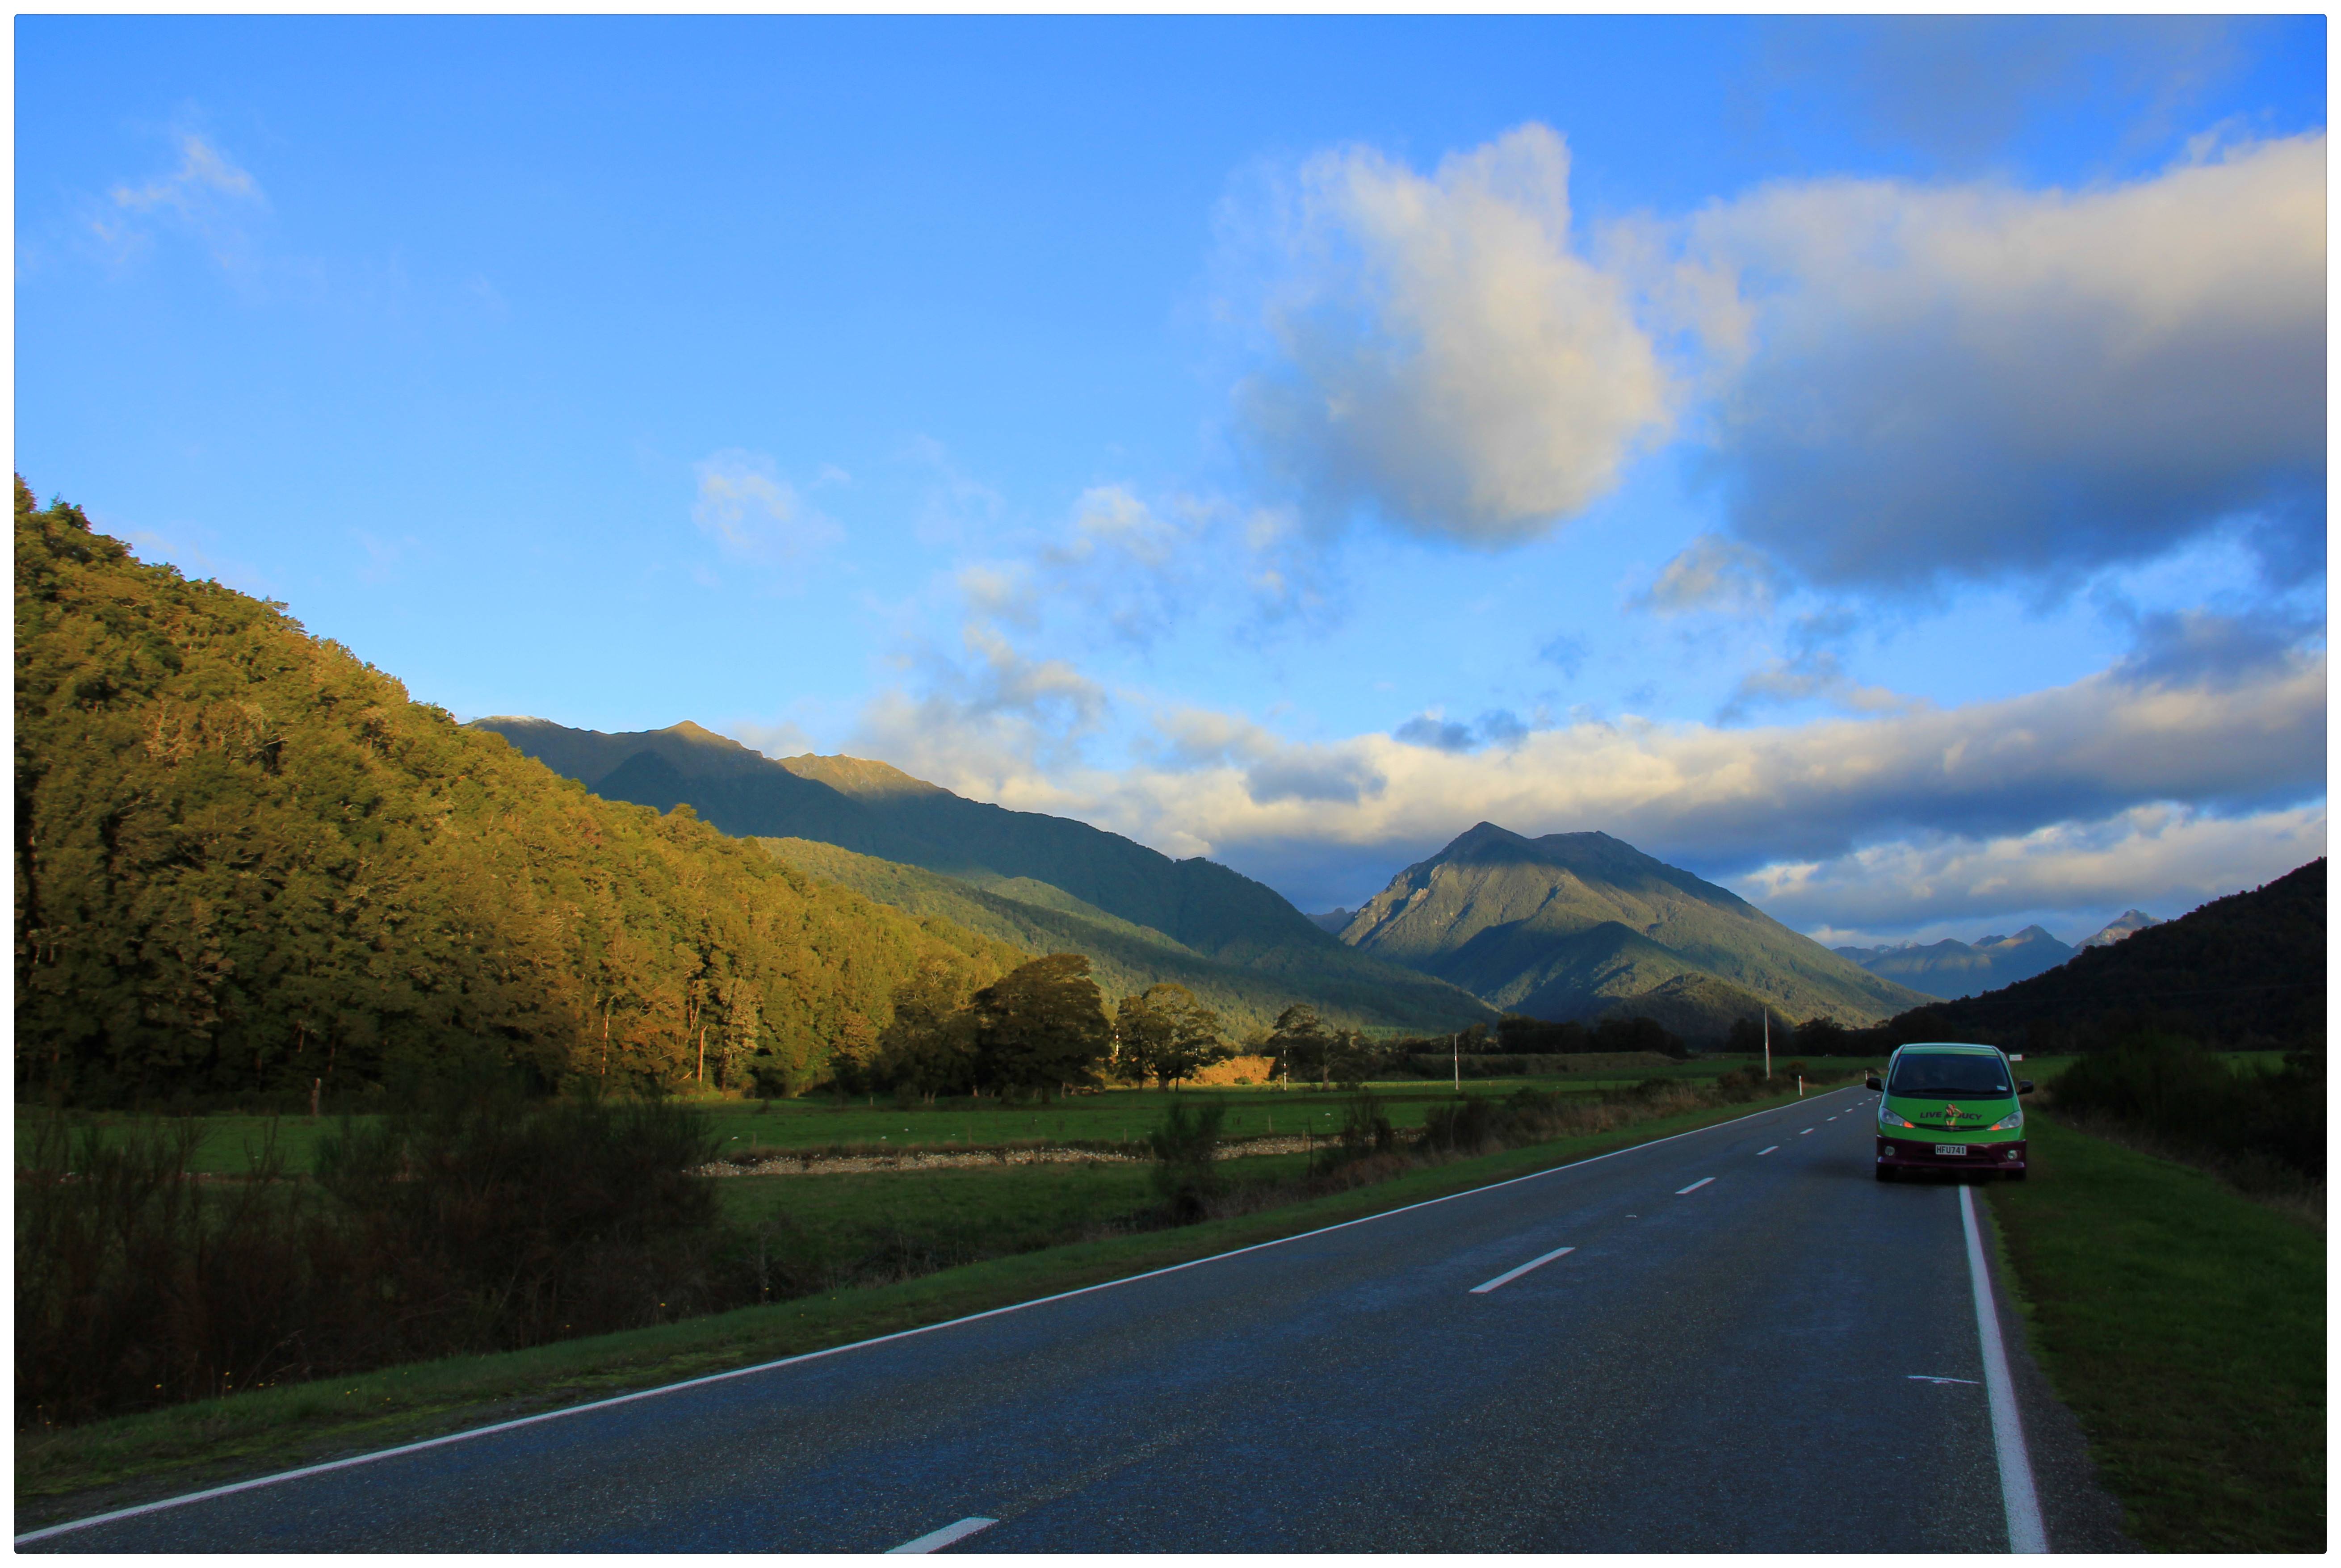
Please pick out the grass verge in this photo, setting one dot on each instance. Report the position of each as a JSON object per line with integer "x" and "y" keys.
{"x": 2184, "y": 1326}
{"x": 78, "y": 1471}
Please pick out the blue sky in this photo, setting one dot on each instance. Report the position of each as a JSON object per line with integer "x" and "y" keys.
{"x": 1877, "y": 464}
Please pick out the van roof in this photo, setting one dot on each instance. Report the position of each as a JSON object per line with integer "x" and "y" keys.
{"x": 1947, "y": 1045}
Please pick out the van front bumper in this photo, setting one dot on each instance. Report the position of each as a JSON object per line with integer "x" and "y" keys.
{"x": 1917, "y": 1152}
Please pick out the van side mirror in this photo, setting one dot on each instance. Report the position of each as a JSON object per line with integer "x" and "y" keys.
{"x": 2024, "y": 1086}
{"x": 1873, "y": 1082}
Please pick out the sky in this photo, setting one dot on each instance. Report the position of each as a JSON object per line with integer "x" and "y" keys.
{"x": 1876, "y": 464}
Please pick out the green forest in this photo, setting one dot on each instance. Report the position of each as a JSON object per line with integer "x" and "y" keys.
{"x": 246, "y": 862}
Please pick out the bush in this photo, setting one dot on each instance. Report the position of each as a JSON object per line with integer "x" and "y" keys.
{"x": 471, "y": 1220}
{"x": 1186, "y": 1160}
{"x": 2184, "y": 1094}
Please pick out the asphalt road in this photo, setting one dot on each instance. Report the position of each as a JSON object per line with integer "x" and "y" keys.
{"x": 1749, "y": 1346}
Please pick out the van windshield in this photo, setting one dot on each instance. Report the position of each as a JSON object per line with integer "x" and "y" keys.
{"x": 1930, "y": 1077}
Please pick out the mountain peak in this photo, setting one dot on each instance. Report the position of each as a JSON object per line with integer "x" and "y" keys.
{"x": 1568, "y": 924}
{"x": 860, "y": 777}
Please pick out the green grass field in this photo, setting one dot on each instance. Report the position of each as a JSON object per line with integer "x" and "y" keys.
{"x": 2185, "y": 1325}
{"x": 1120, "y": 1117}
{"x": 860, "y": 1227}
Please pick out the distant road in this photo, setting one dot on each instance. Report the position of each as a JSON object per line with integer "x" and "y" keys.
{"x": 1748, "y": 1344}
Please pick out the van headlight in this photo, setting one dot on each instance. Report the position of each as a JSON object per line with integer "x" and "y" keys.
{"x": 1886, "y": 1118}
{"x": 2012, "y": 1122}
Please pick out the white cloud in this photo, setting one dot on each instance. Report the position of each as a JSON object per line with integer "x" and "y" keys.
{"x": 1980, "y": 381}
{"x": 208, "y": 195}
{"x": 1439, "y": 352}
{"x": 1333, "y": 819}
{"x": 756, "y": 517}
{"x": 2165, "y": 858}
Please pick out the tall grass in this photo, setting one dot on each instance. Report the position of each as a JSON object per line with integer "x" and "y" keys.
{"x": 2259, "y": 1126}
{"x": 470, "y": 1220}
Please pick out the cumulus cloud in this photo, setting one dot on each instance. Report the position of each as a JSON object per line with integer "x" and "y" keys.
{"x": 1726, "y": 801}
{"x": 1441, "y": 353}
{"x": 755, "y": 516}
{"x": 1976, "y": 381}
{"x": 2163, "y": 857}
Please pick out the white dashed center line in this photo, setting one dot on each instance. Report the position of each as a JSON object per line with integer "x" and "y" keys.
{"x": 1805, "y": 1134}
{"x": 1511, "y": 1274}
{"x": 936, "y": 1540}
{"x": 1761, "y": 1152}
{"x": 1694, "y": 1186}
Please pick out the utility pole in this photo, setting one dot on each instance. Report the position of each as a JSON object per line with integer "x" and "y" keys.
{"x": 1455, "y": 1049}
{"x": 1768, "y": 1044}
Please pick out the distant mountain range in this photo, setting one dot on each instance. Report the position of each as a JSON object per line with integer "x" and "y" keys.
{"x": 1950, "y": 969}
{"x": 1055, "y": 883}
{"x": 1574, "y": 925}
{"x": 2241, "y": 972}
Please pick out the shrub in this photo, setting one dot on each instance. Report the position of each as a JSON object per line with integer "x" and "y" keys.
{"x": 472, "y": 1219}
{"x": 1186, "y": 1160}
{"x": 2182, "y": 1093}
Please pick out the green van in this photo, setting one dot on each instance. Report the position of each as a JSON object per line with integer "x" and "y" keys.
{"x": 1945, "y": 1107}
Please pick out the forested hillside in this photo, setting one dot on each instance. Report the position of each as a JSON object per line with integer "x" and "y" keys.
{"x": 1126, "y": 958}
{"x": 879, "y": 812}
{"x": 2242, "y": 972}
{"x": 244, "y": 859}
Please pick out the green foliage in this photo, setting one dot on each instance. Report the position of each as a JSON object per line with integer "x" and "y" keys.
{"x": 474, "y": 1220}
{"x": 2195, "y": 1101}
{"x": 1186, "y": 1154}
{"x": 244, "y": 859}
{"x": 1163, "y": 1033}
{"x": 1040, "y": 1028}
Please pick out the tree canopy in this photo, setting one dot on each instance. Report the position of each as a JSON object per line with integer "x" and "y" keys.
{"x": 246, "y": 859}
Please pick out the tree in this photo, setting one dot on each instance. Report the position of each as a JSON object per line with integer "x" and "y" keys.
{"x": 1040, "y": 1026}
{"x": 1822, "y": 1036}
{"x": 1300, "y": 1040}
{"x": 930, "y": 1046}
{"x": 1165, "y": 1034}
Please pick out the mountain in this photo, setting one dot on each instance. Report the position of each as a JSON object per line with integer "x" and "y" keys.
{"x": 1205, "y": 910}
{"x": 1953, "y": 968}
{"x": 2246, "y": 971}
{"x": 1332, "y": 920}
{"x": 1036, "y": 918}
{"x": 1574, "y": 925}
{"x": 245, "y": 861}
{"x": 2131, "y": 922}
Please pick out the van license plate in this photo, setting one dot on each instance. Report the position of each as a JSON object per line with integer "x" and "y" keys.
{"x": 1950, "y": 1148}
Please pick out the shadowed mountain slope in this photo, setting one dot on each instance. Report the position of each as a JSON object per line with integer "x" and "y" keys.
{"x": 1573, "y": 925}
{"x": 2243, "y": 971}
{"x": 1204, "y": 909}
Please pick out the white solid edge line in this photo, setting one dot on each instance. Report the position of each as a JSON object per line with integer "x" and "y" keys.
{"x": 1696, "y": 1186}
{"x": 936, "y": 1540}
{"x": 2025, "y": 1534}
{"x": 1761, "y": 1152}
{"x": 466, "y": 1436}
{"x": 1511, "y": 1274}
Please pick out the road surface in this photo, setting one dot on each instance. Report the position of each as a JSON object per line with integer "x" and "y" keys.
{"x": 1733, "y": 1340}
